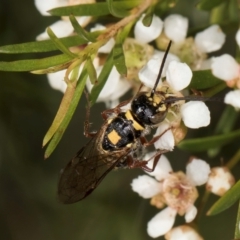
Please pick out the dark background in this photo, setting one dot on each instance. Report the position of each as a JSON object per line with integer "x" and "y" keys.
{"x": 29, "y": 208}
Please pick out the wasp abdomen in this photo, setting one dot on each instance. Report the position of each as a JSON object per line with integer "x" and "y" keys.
{"x": 122, "y": 131}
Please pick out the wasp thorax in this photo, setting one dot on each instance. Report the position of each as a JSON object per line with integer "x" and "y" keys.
{"x": 150, "y": 109}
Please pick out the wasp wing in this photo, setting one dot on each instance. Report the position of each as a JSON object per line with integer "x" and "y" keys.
{"x": 86, "y": 170}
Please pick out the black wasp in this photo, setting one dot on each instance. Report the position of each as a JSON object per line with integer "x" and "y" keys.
{"x": 118, "y": 144}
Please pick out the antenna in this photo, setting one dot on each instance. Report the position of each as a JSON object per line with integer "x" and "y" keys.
{"x": 193, "y": 98}
{"x": 161, "y": 69}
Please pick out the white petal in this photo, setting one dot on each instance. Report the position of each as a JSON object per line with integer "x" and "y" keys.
{"x": 175, "y": 27}
{"x": 146, "y": 186}
{"x": 114, "y": 88}
{"x": 60, "y": 28}
{"x": 225, "y": 67}
{"x": 195, "y": 114}
{"x": 211, "y": 39}
{"x": 161, "y": 223}
{"x": 238, "y": 37}
{"x": 178, "y": 75}
{"x": 220, "y": 180}
{"x": 166, "y": 141}
{"x": 148, "y": 74}
{"x": 233, "y": 98}
{"x": 162, "y": 169}
{"x": 56, "y": 80}
{"x": 198, "y": 171}
{"x": 44, "y": 5}
{"x": 190, "y": 214}
{"x": 147, "y": 34}
{"x": 183, "y": 232}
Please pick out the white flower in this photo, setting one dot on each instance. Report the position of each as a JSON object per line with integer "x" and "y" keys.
{"x": 161, "y": 223}
{"x": 233, "y": 98}
{"x": 44, "y": 5}
{"x": 56, "y": 80}
{"x": 145, "y": 34}
{"x": 238, "y": 37}
{"x": 220, "y": 180}
{"x": 198, "y": 171}
{"x": 176, "y": 190}
{"x": 109, "y": 45}
{"x": 175, "y": 27}
{"x": 225, "y": 67}
{"x": 146, "y": 186}
{"x": 114, "y": 88}
{"x": 148, "y": 74}
{"x": 210, "y": 39}
{"x": 162, "y": 169}
{"x": 61, "y": 28}
{"x": 195, "y": 114}
{"x": 166, "y": 141}
{"x": 178, "y": 75}
{"x": 183, "y": 232}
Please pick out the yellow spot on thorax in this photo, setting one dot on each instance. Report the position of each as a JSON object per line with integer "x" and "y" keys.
{"x": 136, "y": 125}
{"x": 113, "y": 137}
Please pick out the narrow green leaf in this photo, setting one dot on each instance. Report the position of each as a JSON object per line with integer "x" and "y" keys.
{"x": 237, "y": 229}
{"x": 63, "y": 126}
{"x": 63, "y": 108}
{"x": 95, "y": 9}
{"x": 41, "y": 46}
{"x": 91, "y": 71}
{"x": 225, "y": 124}
{"x": 34, "y": 64}
{"x": 226, "y": 201}
{"x": 203, "y": 79}
{"x": 119, "y": 59}
{"x": 103, "y": 77}
{"x": 80, "y": 31}
{"x": 203, "y": 144}
{"x": 59, "y": 44}
{"x": 118, "y": 52}
{"x": 209, "y": 5}
{"x": 147, "y": 20}
{"x": 116, "y": 12}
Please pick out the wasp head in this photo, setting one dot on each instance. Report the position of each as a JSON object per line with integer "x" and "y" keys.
{"x": 150, "y": 109}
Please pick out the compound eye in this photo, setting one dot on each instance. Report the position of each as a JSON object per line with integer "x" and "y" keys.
{"x": 158, "y": 117}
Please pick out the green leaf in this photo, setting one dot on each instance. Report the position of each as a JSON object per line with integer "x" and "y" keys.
{"x": 225, "y": 124}
{"x": 119, "y": 59}
{"x": 80, "y": 31}
{"x": 63, "y": 126}
{"x": 203, "y": 144}
{"x": 118, "y": 53}
{"x": 91, "y": 71}
{"x": 103, "y": 77}
{"x": 237, "y": 229}
{"x": 116, "y": 12}
{"x": 63, "y": 108}
{"x": 41, "y": 46}
{"x": 34, "y": 64}
{"x": 59, "y": 44}
{"x": 95, "y": 10}
{"x": 209, "y": 5}
{"x": 226, "y": 201}
{"x": 203, "y": 79}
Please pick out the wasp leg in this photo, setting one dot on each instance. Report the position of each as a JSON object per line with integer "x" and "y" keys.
{"x": 87, "y": 124}
{"x": 135, "y": 163}
{"x": 147, "y": 143}
{"x": 116, "y": 110}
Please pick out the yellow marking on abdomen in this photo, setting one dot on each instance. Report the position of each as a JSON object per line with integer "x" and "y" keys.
{"x": 113, "y": 137}
{"x": 136, "y": 125}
